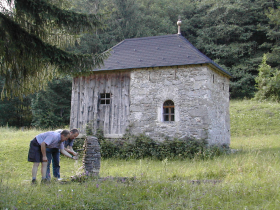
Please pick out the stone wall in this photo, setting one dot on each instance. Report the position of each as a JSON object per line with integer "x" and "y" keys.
{"x": 92, "y": 156}
{"x": 218, "y": 109}
{"x": 200, "y": 95}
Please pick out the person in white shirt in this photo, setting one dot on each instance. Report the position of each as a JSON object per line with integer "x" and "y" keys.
{"x": 37, "y": 150}
{"x": 53, "y": 154}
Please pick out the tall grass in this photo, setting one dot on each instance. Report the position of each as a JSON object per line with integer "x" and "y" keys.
{"x": 251, "y": 118}
{"x": 246, "y": 179}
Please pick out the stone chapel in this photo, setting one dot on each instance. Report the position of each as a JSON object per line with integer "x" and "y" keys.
{"x": 160, "y": 86}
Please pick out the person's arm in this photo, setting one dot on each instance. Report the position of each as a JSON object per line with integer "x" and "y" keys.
{"x": 43, "y": 150}
{"x": 71, "y": 151}
{"x": 64, "y": 152}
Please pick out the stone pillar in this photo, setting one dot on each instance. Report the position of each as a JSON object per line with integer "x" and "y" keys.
{"x": 92, "y": 156}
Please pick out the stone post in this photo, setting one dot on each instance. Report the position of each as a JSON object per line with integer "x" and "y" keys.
{"x": 92, "y": 156}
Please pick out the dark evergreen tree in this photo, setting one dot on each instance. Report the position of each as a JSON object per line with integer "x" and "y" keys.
{"x": 273, "y": 56}
{"x": 51, "y": 107}
{"x": 232, "y": 33}
{"x": 15, "y": 112}
{"x": 130, "y": 19}
{"x": 32, "y": 39}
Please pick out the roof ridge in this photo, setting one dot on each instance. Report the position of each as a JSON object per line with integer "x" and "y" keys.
{"x": 151, "y": 37}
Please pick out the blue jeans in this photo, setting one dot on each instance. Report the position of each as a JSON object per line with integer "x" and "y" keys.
{"x": 53, "y": 156}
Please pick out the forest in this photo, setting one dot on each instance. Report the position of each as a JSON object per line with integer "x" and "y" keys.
{"x": 241, "y": 36}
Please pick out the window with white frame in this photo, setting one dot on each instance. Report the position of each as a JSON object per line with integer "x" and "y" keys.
{"x": 168, "y": 111}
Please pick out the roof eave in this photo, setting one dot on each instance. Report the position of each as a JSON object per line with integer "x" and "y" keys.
{"x": 220, "y": 69}
{"x": 213, "y": 65}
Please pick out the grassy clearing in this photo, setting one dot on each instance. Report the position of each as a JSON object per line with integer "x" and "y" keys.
{"x": 251, "y": 118}
{"x": 247, "y": 179}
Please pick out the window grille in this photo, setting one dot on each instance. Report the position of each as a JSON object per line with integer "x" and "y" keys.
{"x": 168, "y": 111}
{"x": 105, "y": 98}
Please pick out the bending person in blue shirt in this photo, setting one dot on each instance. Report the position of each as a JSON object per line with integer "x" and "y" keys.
{"x": 68, "y": 144}
{"x": 53, "y": 154}
{"x": 37, "y": 150}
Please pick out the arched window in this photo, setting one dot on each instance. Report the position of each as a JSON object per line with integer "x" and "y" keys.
{"x": 168, "y": 111}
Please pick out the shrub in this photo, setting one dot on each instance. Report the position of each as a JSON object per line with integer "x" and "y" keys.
{"x": 213, "y": 151}
{"x": 78, "y": 144}
{"x": 141, "y": 146}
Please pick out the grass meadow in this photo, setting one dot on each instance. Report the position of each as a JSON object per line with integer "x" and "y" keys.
{"x": 246, "y": 179}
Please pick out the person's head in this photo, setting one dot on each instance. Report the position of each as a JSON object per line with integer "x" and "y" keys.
{"x": 65, "y": 134}
{"x": 74, "y": 133}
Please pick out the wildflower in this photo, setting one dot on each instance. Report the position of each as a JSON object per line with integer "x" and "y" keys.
{"x": 97, "y": 185}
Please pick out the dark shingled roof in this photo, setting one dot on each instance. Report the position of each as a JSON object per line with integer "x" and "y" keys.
{"x": 168, "y": 50}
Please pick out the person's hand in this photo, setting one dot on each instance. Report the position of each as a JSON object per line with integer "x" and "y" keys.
{"x": 75, "y": 153}
{"x": 75, "y": 157}
{"x": 45, "y": 159}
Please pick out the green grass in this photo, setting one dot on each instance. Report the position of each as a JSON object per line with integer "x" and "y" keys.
{"x": 247, "y": 179}
{"x": 251, "y": 118}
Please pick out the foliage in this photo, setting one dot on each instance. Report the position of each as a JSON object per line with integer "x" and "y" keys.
{"x": 130, "y": 19}
{"x": 15, "y": 112}
{"x": 273, "y": 34}
{"x": 51, "y": 107}
{"x": 89, "y": 131}
{"x": 78, "y": 144}
{"x": 233, "y": 34}
{"x": 33, "y": 34}
{"x": 268, "y": 82}
{"x": 141, "y": 146}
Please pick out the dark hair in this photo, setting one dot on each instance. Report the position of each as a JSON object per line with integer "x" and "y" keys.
{"x": 74, "y": 130}
{"x": 65, "y": 132}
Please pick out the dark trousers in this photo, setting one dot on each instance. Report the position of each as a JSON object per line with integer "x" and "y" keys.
{"x": 53, "y": 156}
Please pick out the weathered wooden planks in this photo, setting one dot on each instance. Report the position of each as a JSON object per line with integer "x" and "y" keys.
{"x": 86, "y": 108}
